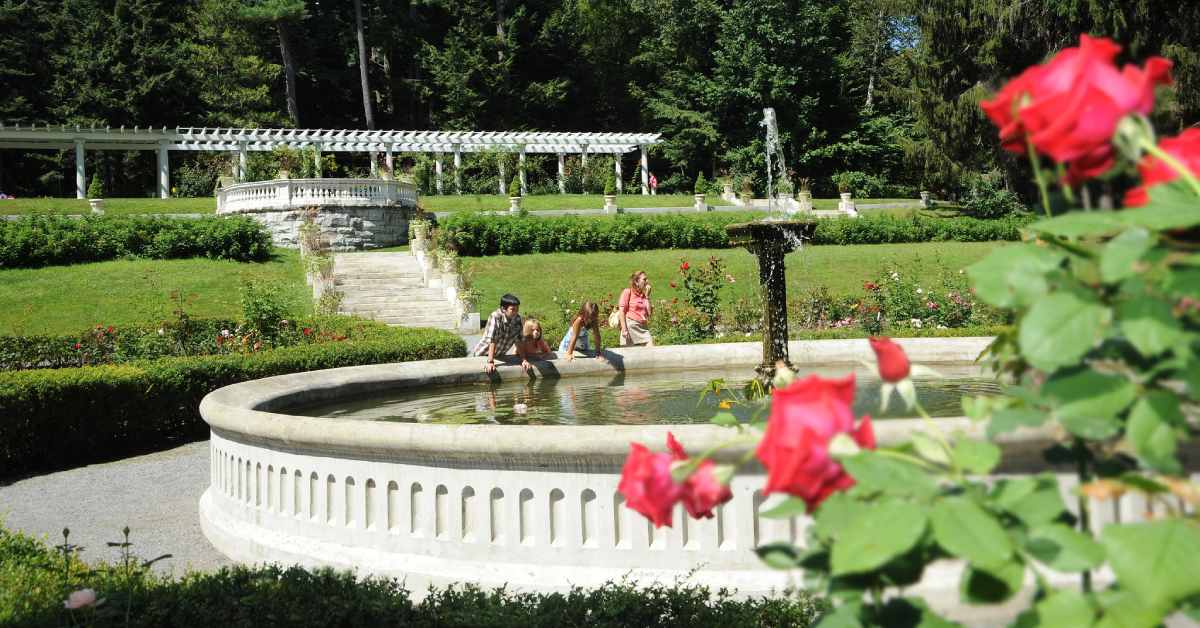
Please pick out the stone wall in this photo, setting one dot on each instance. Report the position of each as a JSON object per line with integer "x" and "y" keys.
{"x": 347, "y": 228}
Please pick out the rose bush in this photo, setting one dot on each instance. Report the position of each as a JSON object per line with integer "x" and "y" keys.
{"x": 1103, "y": 356}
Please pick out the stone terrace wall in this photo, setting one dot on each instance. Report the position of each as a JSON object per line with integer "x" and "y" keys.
{"x": 347, "y": 228}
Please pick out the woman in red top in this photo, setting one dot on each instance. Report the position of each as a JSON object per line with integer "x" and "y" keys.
{"x": 634, "y": 310}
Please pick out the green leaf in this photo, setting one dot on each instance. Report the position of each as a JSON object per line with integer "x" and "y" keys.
{"x": 1088, "y": 402}
{"x": 1172, "y": 206}
{"x": 1124, "y": 609}
{"x": 844, "y": 616}
{"x": 1064, "y": 607}
{"x": 875, "y": 472}
{"x": 1156, "y": 560}
{"x": 1150, "y": 325}
{"x": 1009, "y": 419}
{"x": 929, "y": 448}
{"x": 964, "y": 529}
{"x": 1060, "y": 329}
{"x": 865, "y": 545}
{"x": 1119, "y": 256}
{"x": 1076, "y": 224}
{"x": 1152, "y": 427}
{"x": 976, "y": 456}
{"x": 1064, "y": 549}
{"x": 786, "y": 509}
{"x": 1014, "y": 275}
{"x": 779, "y": 555}
{"x": 1035, "y": 501}
{"x": 724, "y": 419}
{"x": 1183, "y": 282}
{"x": 991, "y": 585}
{"x": 836, "y": 513}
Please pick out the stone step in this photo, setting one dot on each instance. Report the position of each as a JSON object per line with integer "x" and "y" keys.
{"x": 403, "y": 281}
{"x": 399, "y": 313}
{"x": 443, "y": 324}
{"x": 430, "y": 295}
{"x": 395, "y": 304}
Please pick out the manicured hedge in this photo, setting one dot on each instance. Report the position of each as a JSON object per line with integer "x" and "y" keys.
{"x": 44, "y": 240}
{"x": 63, "y": 417}
{"x": 475, "y": 234}
{"x": 32, "y": 590}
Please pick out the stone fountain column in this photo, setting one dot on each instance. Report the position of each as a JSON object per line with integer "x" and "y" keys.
{"x": 770, "y": 241}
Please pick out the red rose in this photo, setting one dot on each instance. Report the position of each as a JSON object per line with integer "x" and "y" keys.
{"x": 110, "y": 329}
{"x": 702, "y": 492}
{"x": 307, "y": 331}
{"x": 77, "y": 345}
{"x": 804, "y": 418}
{"x": 893, "y": 363}
{"x": 647, "y": 485}
{"x": 672, "y": 284}
{"x": 1185, "y": 147}
{"x": 684, "y": 266}
{"x": 1069, "y": 107}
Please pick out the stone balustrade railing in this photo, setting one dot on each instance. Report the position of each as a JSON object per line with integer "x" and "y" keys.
{"x": 287, "y": 194}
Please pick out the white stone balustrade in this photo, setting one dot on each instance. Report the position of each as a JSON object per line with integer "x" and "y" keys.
{"x": 289, "y": 194}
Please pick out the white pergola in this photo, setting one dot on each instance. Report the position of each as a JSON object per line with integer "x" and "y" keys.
{"x": 241, "y": 141}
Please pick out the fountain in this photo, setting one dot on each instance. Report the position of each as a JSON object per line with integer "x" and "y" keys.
{"x": 770, "y": 241}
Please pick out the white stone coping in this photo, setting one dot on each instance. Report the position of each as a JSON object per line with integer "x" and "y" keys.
{"x": 250, "y": 409}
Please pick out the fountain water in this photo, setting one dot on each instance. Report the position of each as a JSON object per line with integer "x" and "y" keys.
{"x": 776, "y": 170}
{"x": 770, "y": 241}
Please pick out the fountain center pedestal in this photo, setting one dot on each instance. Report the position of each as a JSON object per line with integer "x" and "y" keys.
{"x": 770, "y": 241}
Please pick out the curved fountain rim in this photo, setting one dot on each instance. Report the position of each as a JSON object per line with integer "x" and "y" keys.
{"x": 247, "y": 409}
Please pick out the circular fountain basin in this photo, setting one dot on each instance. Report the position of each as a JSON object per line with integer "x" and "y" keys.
{"x": 532, "y": 507}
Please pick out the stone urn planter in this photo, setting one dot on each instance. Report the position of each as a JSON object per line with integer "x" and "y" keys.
{"x": 610, "y": 204}
{"x": 514, "y": 204}
{"x": 447, "y": 262}
{"x": 805, "y": 201}
{"x": 420, "y": 236}
{"x": 97, "y": 205}
{"x": 925, "y": 199}
{"x": 745, "y": 199}
{"x": 283, "y": 174}
{"x": 846, "y": 204}
{"x": 727, "y": 192}
{"x": 699, "y": 203}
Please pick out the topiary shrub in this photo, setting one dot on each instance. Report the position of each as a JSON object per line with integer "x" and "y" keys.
{"x": 514, "y": 186}
{"x": 701, "y": 186}
{"x": 610, "y": 185}
{"x": 95, "y": 189}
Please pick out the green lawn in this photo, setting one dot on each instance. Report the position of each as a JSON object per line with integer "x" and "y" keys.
{"x": 206, "y": 205}
{"x": 841, "y": 269}
{"x": 68, "y": 299}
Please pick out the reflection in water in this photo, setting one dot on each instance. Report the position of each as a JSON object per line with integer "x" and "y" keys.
{"x": 636, "y": 398}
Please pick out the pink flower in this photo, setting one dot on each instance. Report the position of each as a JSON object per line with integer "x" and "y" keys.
{"x": 80, "y": 599}
{"x": 805, "y": 416}
{"x": 1070, "y": 106}
{"x": 647, "y": 485}
{"x": 702, "y": 492}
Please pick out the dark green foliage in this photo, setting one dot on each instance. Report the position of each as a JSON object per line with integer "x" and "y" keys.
{"x": 36, "y": 241}
{"x": 70, "y": 416}
{"x": 479, "y": 235}
{"x": 95, "y": 189}
{"x": 987, "y": 197}
{"x": 610, "y": 185}
{"x": 292, "y": 596}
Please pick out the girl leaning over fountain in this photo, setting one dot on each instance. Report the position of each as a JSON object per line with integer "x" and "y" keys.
{"x": 634, "y": 309}
{"x": 587, "y": 318}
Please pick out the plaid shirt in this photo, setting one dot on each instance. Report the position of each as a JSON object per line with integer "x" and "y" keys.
{"x": 504, "y": 332}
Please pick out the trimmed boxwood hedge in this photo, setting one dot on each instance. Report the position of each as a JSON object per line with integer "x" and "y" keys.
{"x": 52, "y": 418}
{"x": 44, "y": 240}
{"x": 475, "y": 234}
{"x": 32, "y": 590}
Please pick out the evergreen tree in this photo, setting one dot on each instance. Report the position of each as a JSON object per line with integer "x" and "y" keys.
{"x": 283, "y": 15}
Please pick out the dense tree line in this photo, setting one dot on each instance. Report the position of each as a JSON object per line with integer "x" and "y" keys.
{"x": 884, "y": 87}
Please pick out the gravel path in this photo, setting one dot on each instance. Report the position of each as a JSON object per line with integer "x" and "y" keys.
{"x": 156, "y": 495}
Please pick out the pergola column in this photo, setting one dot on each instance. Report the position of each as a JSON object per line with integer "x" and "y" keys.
{"x": 374, "y": 164}
{"x": 645, "y": 171}
{"x": 164, "y": 171}
{"x": 617, "y": 168}
{"x": 80, "y": 171}
{"x": 521, "y": 170}
{"x": 241, "y": 168}
{"x": 437, "y": 169}
{"x": 503, "y": 183}
{"x": 562, "y": 174}
{"x": 391, "y": 166}
{"x": 457, "y": 169}
{"x": 318, "y": 159}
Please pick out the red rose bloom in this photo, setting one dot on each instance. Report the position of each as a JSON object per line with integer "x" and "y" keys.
{"x": 647, "y": 485}
{"x": 805, "y": 416}
{"x": 893, "y": 363}
{"x": 684, "y": 266}
{"x": 702, "y": 492}
{"x": 1185, "y": 147}
{"x": 1069, "y": 107}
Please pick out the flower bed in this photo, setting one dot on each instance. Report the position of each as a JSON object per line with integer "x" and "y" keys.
{"x": 474, "y": 234}
{"x": 70, "y": 416}
{"x": 42, "y": 240}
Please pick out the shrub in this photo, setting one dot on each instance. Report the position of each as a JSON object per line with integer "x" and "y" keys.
{"x": 35, "y": 241}
{"x": 474, "y": 234}
{"x": 55, "y": 417}
{"x": 293, "y": 596}
{"x": 701, "y": 186}
{"x": 610, "y": 185}
{"x": 987, "y": 199}
{"x": 514, "y": 186}
{"x": 95, "y": 189}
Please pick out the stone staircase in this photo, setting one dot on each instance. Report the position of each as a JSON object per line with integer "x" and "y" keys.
{"x": 390, "y": 288}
